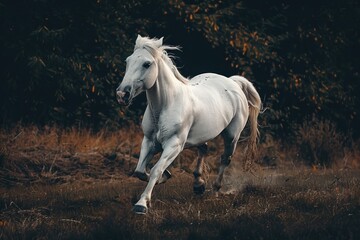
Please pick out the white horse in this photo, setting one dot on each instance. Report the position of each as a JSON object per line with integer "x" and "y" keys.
{"x": 184, "y": 113}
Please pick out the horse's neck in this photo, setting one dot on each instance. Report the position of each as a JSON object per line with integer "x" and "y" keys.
{"x": 164, "y": 90}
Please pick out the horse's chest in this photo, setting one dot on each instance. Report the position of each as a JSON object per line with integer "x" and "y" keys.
{"x": 169, "y": 123}
{"x": 166, "y": 130}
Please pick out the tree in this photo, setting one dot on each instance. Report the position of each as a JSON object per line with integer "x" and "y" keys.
{"x": 62, "y": 61}
{"x": 300, "y": 55}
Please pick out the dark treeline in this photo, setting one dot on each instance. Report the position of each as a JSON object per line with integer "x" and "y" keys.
{"x": 62, "y": 60}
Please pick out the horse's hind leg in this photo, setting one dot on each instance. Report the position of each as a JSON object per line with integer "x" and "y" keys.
{"x": 199, "y": 183}
{"x": 230, "y": 143}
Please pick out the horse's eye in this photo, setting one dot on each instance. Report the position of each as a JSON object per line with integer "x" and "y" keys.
{"x": 146, "y": 64}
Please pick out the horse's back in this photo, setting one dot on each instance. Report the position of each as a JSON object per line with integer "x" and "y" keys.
{"x": 217, "y": 100}
{"x": 217, "y": 89}
{"x": 210, "y": 80}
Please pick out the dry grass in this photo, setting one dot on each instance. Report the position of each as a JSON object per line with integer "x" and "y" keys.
{"x": 75, "y": 184}
{"x": 50, "y": 155}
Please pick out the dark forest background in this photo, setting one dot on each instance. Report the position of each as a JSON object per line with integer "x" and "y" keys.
{"x": 61, "y": 61}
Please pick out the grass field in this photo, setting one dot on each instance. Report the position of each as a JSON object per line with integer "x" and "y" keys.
{"x": 57, "y": 184}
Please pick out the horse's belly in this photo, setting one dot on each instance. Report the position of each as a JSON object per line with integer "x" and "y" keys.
{"x": 202, "y": 133}
{"x": 209, "y": 124}
{"x": 216, "y": 101}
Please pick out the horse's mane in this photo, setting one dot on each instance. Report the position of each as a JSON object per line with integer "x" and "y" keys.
{"x": 152, "y": 46}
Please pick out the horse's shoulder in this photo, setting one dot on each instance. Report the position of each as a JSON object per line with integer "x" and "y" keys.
{"x": 148, "y": 125}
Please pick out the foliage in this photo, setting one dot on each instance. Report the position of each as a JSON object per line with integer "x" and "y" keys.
{"x": 320, "y": 143}
{"x": 298, "y": 54}
{"x": 63, "y": 60}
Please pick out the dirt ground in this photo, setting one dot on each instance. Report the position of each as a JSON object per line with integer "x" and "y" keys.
{"x": 77, "y": 185}
{"x": 289, "y": 205}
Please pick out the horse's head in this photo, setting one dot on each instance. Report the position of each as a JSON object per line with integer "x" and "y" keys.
{"x": 141, "y": 70}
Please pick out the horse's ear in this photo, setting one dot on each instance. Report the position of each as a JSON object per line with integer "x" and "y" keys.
{"x": 159, "y": 42}
{"x": 138, "y": 38}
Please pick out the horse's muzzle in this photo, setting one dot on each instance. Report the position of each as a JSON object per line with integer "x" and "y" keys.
{"x": 123, "y": 97}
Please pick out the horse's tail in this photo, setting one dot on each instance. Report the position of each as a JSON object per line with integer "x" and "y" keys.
{"x": 254, "y": 102}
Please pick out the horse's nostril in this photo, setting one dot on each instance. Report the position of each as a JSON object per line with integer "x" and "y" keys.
{"x": 127, "y": 89}
{"x": 126, "y": 96}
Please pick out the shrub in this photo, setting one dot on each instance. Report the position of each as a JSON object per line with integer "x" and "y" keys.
{"x": 319, "y": 142}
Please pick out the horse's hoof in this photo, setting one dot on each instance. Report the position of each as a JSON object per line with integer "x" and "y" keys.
{"x": 141, "y": 176}
{"x": 167, "y": 174}
{"x": 141, "y": 210}
{"x": 199, "y": 189}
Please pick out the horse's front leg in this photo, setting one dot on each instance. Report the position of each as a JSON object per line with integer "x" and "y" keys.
{"x": 148, "y": 149}
{"x": 171, "y": 149}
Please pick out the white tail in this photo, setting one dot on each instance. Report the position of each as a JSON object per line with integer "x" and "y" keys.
{"x": 254, "y": 109}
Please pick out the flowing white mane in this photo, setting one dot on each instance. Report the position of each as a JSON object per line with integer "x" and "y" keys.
{"x": 156, "y": 49}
